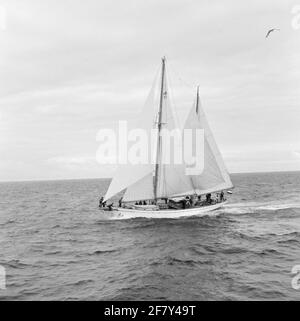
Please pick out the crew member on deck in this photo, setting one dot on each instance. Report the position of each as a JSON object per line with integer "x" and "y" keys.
{"x": 188, "y": 201}
{"x": 208, "y": 198}
{"x": 222, "y": 196}
{"x": 101, "y": 202}
{"x": 120, "y": 202}
{"x": 198, "y": 200}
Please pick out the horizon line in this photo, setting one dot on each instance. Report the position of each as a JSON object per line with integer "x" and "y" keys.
{"x": 109, "y": 178}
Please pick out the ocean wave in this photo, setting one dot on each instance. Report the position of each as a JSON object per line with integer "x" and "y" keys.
{"x": 173, "y": 261}
{"x": 294, "y": 234}
{"x": 81, "y": 282}
{"x": 53, "y": 253}
{"x": 269, "y": 252}
{"x": 235, "y": 250}
{"x": 98, "y": 252}
{"x": 15, "y": 264}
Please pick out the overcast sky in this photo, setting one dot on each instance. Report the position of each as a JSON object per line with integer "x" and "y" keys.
{"x": 69, "y": 68}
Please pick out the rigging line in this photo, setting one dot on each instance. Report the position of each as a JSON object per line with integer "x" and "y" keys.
{"x": 154, "y": 93}
{"x": 155, "y": 82}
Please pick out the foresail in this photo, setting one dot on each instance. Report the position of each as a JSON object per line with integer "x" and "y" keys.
{"x": 128, "y": 174}
{"x": 141, "y": 190}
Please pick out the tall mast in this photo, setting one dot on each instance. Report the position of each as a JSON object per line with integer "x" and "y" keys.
{"x": 197, "y": 103}
{"x": 159, "y": 126}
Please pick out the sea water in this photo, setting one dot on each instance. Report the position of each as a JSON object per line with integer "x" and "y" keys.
{"x": 57, "y": 245}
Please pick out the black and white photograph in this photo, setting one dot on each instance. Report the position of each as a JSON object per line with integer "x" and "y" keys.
{"x": 149, "y": 152}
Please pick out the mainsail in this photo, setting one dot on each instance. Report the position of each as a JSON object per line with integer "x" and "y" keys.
{"x": 170, "y": 176}
{"x": 165, "y": 178}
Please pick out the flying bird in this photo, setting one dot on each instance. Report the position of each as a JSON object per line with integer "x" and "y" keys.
{"x": 270, "y": 31}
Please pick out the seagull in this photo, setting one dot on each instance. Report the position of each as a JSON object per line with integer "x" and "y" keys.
{"x": 270, "y": 31}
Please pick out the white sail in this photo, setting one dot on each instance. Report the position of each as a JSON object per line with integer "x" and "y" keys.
{"x": 214, "y": 176}
{"x": 141, "y": 190}
{"x": 128, "y": 174}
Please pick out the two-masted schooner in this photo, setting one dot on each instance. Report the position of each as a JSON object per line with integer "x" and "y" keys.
{"x": 168, "y": 190}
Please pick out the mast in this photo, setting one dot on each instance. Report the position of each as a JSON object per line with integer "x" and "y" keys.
{"x": 197, "y": 103}
{"x": 159, "y": 126}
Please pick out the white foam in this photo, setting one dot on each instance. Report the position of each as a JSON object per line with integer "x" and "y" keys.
{"x": 251, "y": 207}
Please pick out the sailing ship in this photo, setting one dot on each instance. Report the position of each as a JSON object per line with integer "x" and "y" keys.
{"x": 168, "y": 190}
